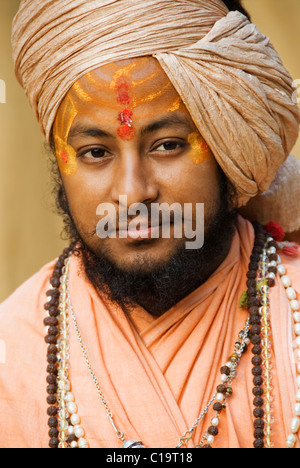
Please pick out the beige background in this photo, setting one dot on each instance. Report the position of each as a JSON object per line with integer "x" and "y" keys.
{"x": 29, "y": 230}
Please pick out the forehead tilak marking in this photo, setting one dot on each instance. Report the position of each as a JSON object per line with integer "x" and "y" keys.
{"x": 121, "y": 76}
{"x": 123, "y": 89}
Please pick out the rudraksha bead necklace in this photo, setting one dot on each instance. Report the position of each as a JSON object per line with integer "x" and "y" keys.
{"x": 65, "y": 430}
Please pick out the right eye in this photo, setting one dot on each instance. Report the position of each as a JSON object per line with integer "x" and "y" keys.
{"x": 93, "y": 154}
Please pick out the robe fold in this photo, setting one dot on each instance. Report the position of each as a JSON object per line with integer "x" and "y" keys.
{"x": 157, "y": 374}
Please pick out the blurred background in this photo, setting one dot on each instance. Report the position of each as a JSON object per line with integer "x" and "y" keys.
{"x": 29, "y": 228}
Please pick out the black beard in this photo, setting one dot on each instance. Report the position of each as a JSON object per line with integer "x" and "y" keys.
{"x": 158, "y": 288}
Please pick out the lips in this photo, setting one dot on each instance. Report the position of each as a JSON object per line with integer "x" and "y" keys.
{"x": 144, "y": 227}
{"x": 146, "y": 224}
{"x": 142, "y": 233}
{"x": 146, "y": 232}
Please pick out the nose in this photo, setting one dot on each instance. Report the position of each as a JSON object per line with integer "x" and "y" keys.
{"x": 134, "y": 178}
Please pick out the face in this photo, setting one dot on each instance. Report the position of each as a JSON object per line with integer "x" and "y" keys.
{"x": 123, "y": 130}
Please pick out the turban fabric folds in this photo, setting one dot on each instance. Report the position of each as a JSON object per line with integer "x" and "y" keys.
{"x": 227, "y": 73}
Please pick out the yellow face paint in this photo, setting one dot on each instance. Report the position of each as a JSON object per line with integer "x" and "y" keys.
{"x": 121, "y": 73}
{"x": 141, "y": 84}
{"x": 175, "y": 106}
{"x": 142, "y": 81}
{"x": 65, "y": 154}
{"x": 200, "y": 151}
{"x": 81, "y": 93}
{"x": 153, "y": 96}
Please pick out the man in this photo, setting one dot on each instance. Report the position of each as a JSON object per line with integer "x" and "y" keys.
{"x": 157, "y": 108}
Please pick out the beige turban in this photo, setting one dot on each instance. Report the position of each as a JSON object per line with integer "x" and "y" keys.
{"x": 227, "y": 73}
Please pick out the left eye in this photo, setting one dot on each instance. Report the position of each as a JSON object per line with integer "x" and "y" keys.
{"x": 168, "y": 146}
{"x": 97, "y": 153}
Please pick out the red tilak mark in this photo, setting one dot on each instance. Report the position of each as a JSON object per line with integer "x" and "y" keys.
{"x": 123, "y": 98}
{"x": 126, "y": 130}
{"x": 122, "y": 89}
{"x": 64, "y": 157}
{"x": 122, "y": 84}
{"x": 126, "y": 133}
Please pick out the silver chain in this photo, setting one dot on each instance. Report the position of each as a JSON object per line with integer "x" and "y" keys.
{"x": 239, "y": 353}
{"x": 119, "y": 433}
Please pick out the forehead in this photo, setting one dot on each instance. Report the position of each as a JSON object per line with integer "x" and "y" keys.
{"x": 139, "y": 83}
{"x": 141, "y": 73}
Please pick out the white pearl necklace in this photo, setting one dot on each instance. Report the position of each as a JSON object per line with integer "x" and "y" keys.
{"x": 69, "y": 419}
{"x": 295, "y": 306}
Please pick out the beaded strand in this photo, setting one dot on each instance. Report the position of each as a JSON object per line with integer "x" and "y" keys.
{"x": 267, "y": 272}
{"x": 52, "y": 324}
{"x": 224, "y": 390}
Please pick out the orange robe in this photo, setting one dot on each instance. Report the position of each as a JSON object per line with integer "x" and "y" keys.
{"x": 157, "y": 374}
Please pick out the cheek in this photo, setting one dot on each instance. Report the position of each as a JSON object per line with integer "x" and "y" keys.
{"x": 200, "y": 184}
{"x": 83, "y": 198}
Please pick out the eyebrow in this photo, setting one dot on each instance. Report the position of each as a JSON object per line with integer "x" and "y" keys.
{"x": 164, "y": 122}
{"x": 82, "y": 130}
{"x": 168, "y": 121}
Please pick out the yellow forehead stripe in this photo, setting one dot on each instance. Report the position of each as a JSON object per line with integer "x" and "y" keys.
{"x": 124, "y": 71}
{"x": 175, "y": 106}
{"x": 81, "y": 93}
{"x": 135, "y": 84}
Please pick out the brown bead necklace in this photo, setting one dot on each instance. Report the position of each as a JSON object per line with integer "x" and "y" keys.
{"x": 260, "y": 278}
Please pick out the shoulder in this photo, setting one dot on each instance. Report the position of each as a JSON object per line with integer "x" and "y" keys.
{"x": 26, "y": 303}
{"x": 23, "y": 363}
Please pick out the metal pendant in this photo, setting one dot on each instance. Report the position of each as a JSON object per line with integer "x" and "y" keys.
{"x": 132, "y": 444}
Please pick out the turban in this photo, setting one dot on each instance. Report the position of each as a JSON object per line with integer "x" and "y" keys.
{"x": 227, "y": 73}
